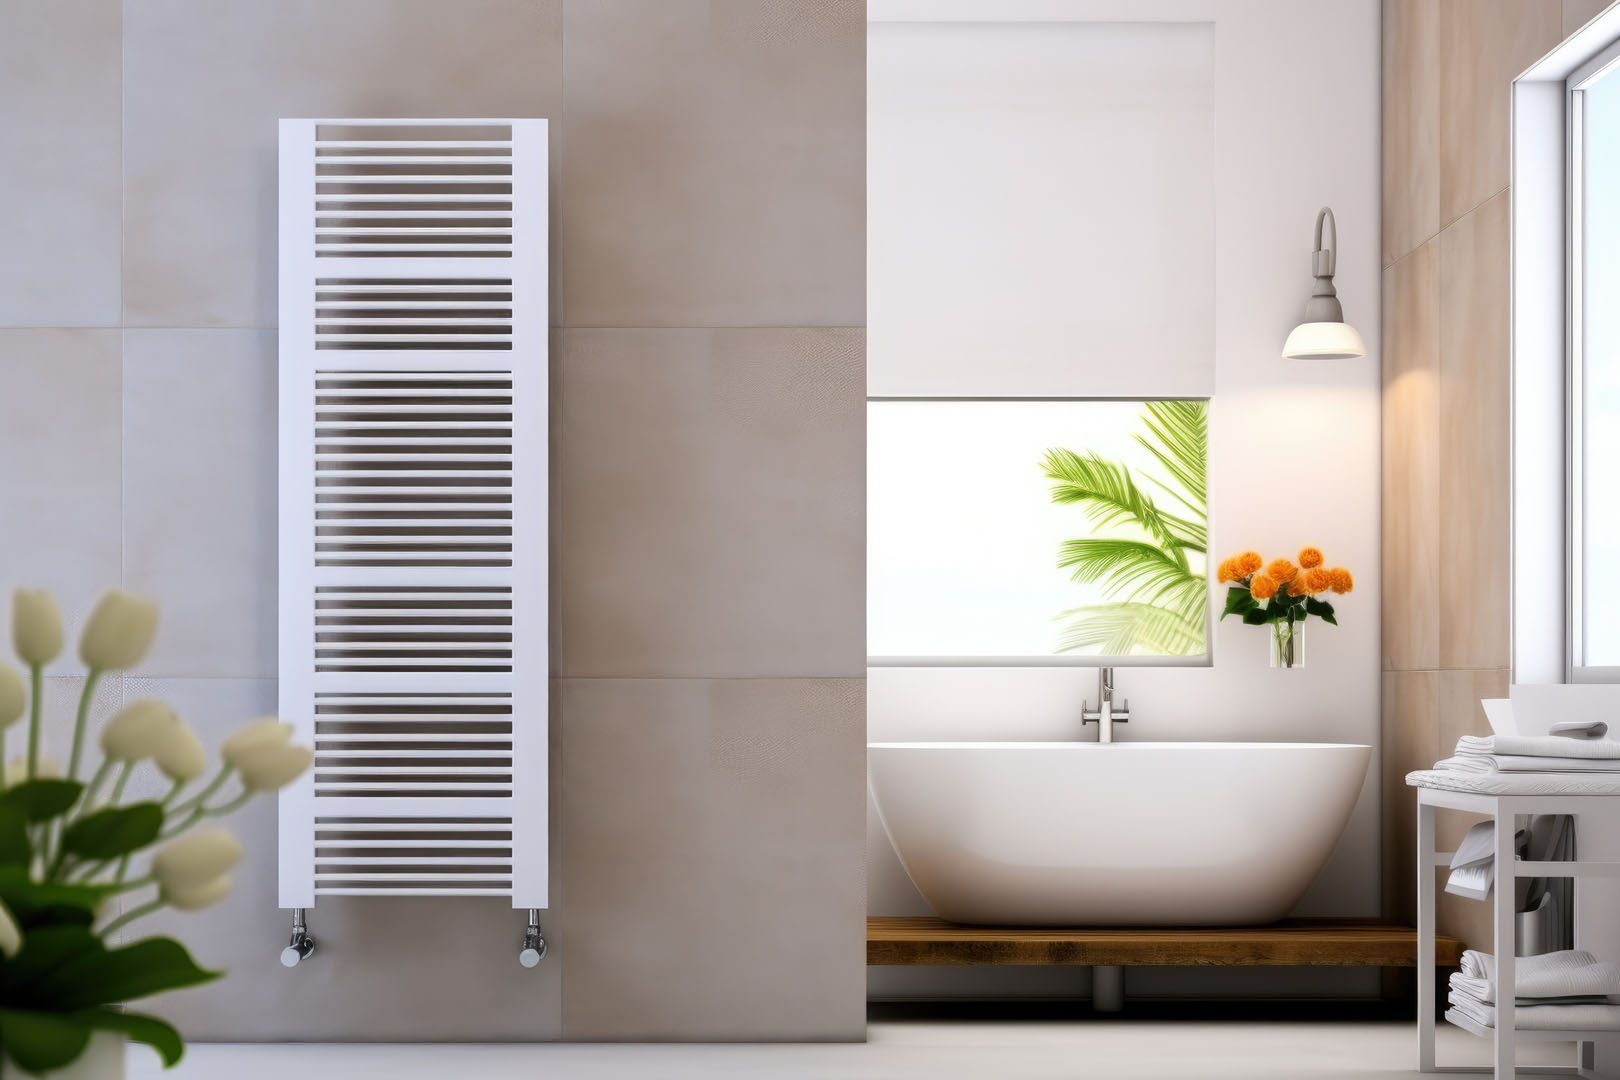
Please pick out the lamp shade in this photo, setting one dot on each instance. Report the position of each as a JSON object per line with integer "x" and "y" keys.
{"x": 1324, "y": 341}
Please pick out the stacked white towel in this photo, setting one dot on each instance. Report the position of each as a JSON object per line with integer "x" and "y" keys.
{"x": 1575, "y": 748}
{"x": 1571, "y": 990}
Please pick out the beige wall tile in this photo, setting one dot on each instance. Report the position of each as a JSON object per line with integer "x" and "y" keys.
{"x": 1408, "y": 741}
{"x": 1474, "y": 436}
{"x": 1577, "y": 13}
{"x": 59, "y": 141}
{"x": 742, "y": 914}
{"x": 1483, "y": 45}
{"x": 713, "y": 502}
{"x": 205, "y": 82}
{"x": 1460, "y": 714}
{"x": 399, "y": 969}
{"x": 1411, "y": 116}
{"x": 200, "y": 496}
{"x": 59, "y": 490}
{"x": 715, "y": 168}
{"x": 1411, "y": 461}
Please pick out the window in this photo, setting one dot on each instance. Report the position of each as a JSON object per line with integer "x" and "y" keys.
{"x": 1594, "y": 372}
{"x": 1038, "y": 531}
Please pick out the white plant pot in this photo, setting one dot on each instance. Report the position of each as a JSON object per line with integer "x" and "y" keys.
{"x": 103, "y": 1059}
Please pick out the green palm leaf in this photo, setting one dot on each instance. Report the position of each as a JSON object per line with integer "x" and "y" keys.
{"x": 1106, "y": 490}
{"x": 1123, "y": 564}
{"x": 1180, "y": 442}
{"x": 1123, "y": 628}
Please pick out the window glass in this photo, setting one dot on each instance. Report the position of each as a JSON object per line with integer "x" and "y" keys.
{"x": 1598, "y": 531}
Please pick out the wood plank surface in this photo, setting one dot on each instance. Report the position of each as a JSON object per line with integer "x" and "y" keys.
{"x": 925, "y": 940}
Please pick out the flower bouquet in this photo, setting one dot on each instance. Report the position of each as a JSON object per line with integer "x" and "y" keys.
{"x": 1282, "y": 595}
{"x": 73, "y": 852}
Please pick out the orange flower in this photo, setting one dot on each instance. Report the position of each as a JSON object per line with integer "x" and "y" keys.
{"x": 1249, "y": 562}
{"x": 1340, "y": 580}
{"x": 1310, "y": 557}
{"x": 1281, "y": 570}
{"x": 1318, "y": 581}
{"x": 1226, "y": 572}
{"x": 1262, "y": 587}
{"x": 1297, "y": 587}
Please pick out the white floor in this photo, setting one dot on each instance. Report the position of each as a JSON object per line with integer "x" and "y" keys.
{"x": 1139, "y": 1050}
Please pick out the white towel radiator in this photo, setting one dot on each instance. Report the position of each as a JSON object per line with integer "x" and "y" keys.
{"x": 413, "y": 510}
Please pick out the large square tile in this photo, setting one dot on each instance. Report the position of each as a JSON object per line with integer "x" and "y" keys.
{"x": 1411, "y": 206}
{"x": 1484, "y": 44}
{"x": 1409, "y": 741}
{"x": 60, "y": 196}
{"x": 1475, "y": 474}
{"x": 1577, "y": 13}
{"x": 200, "y": 496}
{"x": 1411, "y": 461}
{"x": 713, "y": 502}
{"x": 59, "y": 410}
{"x": 741, "y": 914}
{"x": 206, "y": 80}
{"x": 398, "y": 969}
{"x": 715, "y": 172}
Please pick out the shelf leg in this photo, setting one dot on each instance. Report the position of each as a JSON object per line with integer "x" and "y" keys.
{"x": 1507, "y": 998}
{"x": 1425, "y": 935}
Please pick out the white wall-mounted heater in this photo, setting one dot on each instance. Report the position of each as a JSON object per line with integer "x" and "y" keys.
{"x": 413, "y": 510}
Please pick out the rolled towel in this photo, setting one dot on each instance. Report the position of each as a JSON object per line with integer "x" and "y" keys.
{"x": 1580, "y": 729}
{"x": 1566, "y": 973}
{"x": 1536, "y": 746}
{"x": 1540, "y": 1017}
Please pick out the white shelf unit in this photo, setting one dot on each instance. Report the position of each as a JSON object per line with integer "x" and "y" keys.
{"x": 1504, "y": 810}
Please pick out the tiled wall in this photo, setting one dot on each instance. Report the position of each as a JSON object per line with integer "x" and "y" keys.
{"x": 708, "y": 371}
{"x": 1447, "y": 68}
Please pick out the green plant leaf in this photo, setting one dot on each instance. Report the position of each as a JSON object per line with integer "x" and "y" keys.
{"x": 1257, "y": 616}
{"x": 155, "y": 1033}
{"x": 42, "y": 1041}
{"x": 43, "y": 951}
{"x": 1322, "y": 610}
{"x": 1180, "y": 442}
{"x": 115, "y": 831}
{"x": 118, "y": 975}
{"x": 1107, "y": 492}
{"x": 1120, "y": 629}
{"x": 15, "y": 850}
{"x": 1238, "y": 601}
{"x": 45, "y": 903}
{"x": 40, "y": 800}
{"x": 1141, "y": 569}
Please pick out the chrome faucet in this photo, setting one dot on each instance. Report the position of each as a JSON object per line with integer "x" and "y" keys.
{"x": 1105, "y": 714}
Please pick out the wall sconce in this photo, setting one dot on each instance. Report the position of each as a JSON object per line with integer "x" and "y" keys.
{"x": 1324, "y": 335}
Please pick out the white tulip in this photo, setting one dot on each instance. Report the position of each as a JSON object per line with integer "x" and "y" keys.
{"x": 10, "y": 934}
{"x": 36, "y": 626}
{"x": 272, "y": 767}
{"x": 179, "y": 754}
{"x": 195, "y": 859}
{"x": 12, "y": 697}
{"x": 194, "y": 897}
{"x": 137, "y": 730}
{"x": 119, "y": 631}
{"x": 268, "y": 733}
{"x": 17, "y": 769}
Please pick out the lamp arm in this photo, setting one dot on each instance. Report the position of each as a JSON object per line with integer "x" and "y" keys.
{"x": 1325, "y": 259}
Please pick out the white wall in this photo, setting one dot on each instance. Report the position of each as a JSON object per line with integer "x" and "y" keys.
{"x": 1294, "y": 456}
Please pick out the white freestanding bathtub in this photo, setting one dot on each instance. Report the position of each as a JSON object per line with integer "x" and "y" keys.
{"x": 1086, "y": 834}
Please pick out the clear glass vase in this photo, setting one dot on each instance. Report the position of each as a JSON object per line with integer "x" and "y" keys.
{"x": 1288, "y": 643}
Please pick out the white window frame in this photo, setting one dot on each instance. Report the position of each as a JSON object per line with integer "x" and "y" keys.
{"x": 1545, "y": 199}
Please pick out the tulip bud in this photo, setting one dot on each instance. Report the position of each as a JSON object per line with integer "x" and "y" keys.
{"x": 12, "y": 698}
{"x": 119, "y": 631}
{"x": 195, "y": 897}
{"x": 195, "y": 859}
{"x": 10, "y": 935}
{"x": 266, "y": 734}
{"x": 36, "y": 626}
{"x": 272, "y": 767}
{"x": 179, "y": 755}
{"x": 137, "y": 730}
{"x": 17, "y": 769}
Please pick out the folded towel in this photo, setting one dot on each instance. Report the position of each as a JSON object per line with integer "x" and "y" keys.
{"x": 1537, "y": 746}
{"x": 1566, "y": 973}
{"x": 1541, "y": 1017}
{"x": 1495, "y": 763}
{"x": 1580, "y": 729}
{"x": 1462, "y": 984}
